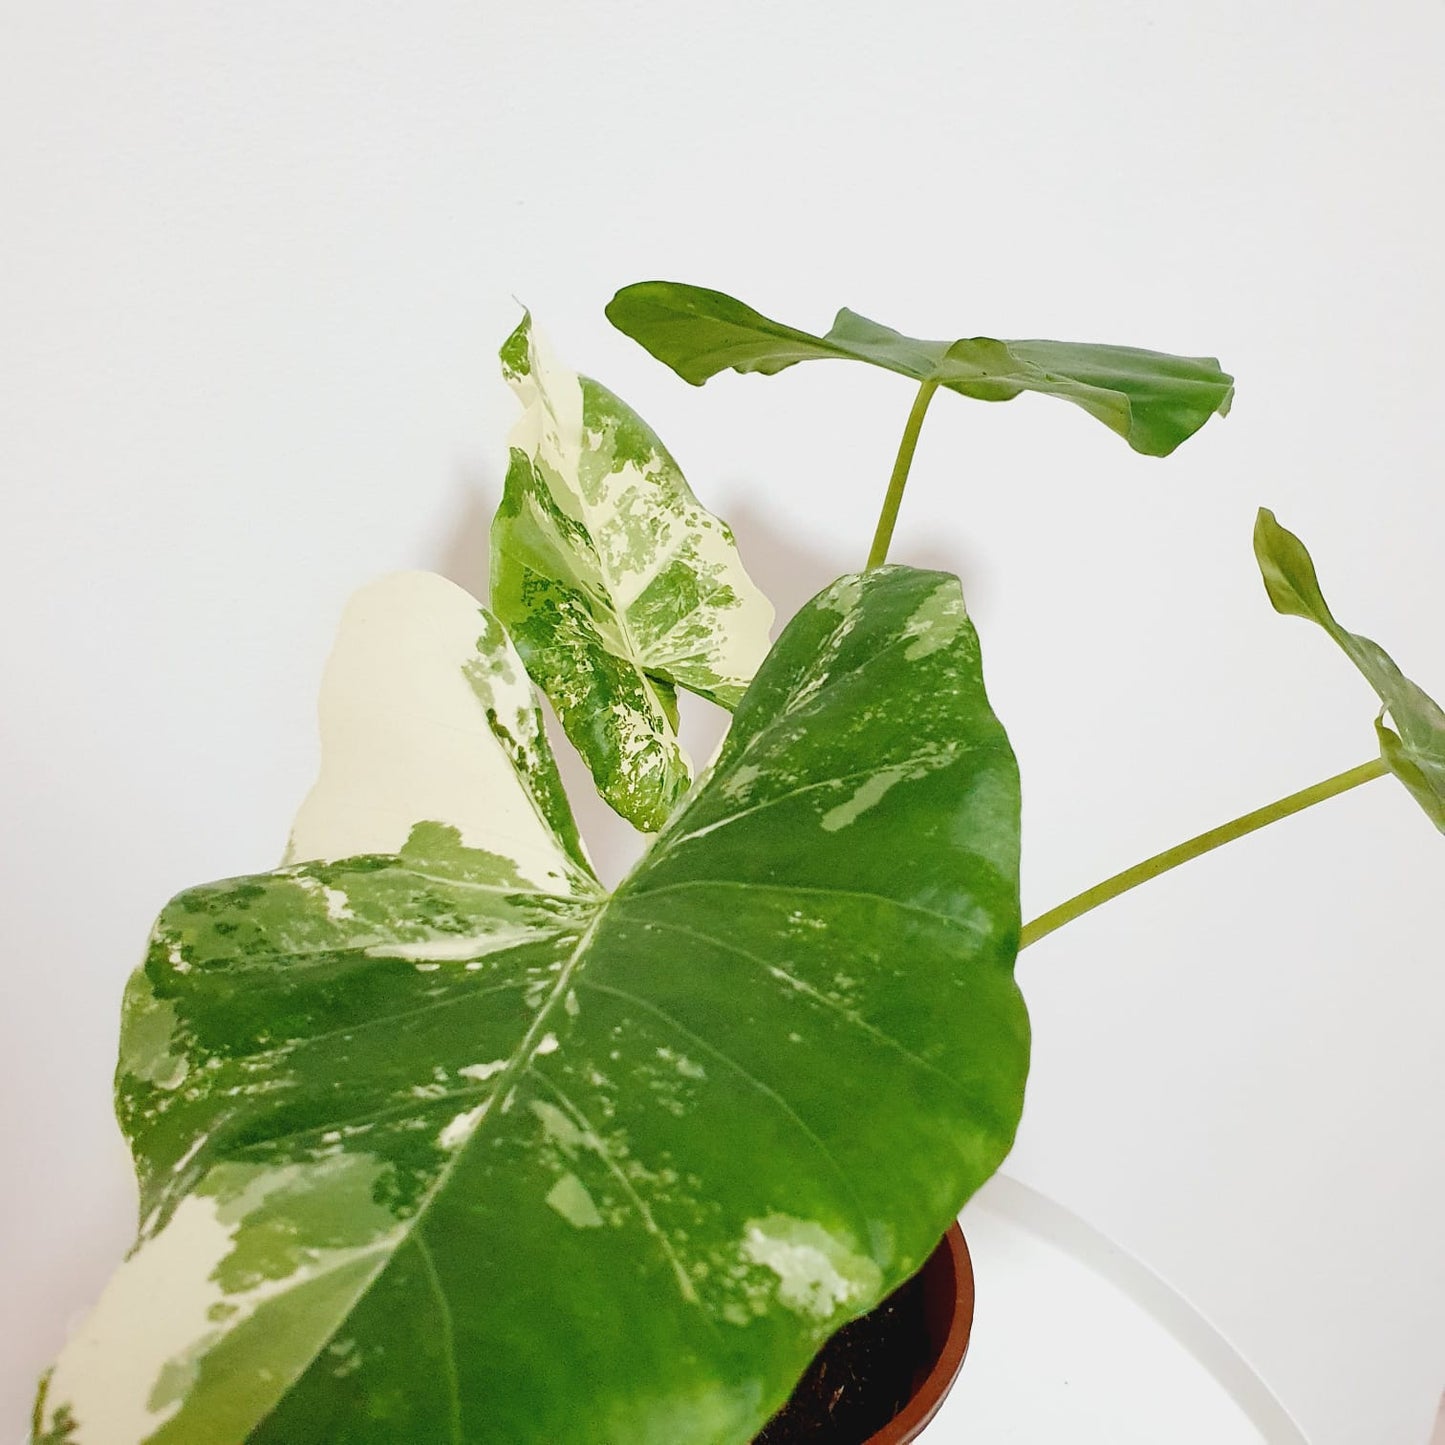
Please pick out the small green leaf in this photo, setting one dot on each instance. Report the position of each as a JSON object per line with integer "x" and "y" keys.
{"x": 1153, "y": 400}
{"x": 438, "y": 1143}
{"x": 617, "y": 586}
{"x": 1415, "y": 749}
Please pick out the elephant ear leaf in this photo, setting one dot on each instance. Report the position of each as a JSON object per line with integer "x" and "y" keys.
{"x": 1152, "y": 399}
{"x": 1414, "y": 748}
{"x": 441, "y": 1143}
{"x": 617, "y": 586}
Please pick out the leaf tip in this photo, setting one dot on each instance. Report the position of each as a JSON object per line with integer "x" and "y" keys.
{"x": 644, "y": 311}
{"x": 516, "y": 351}
{"x": 1226, "y": 402}
{"x": 1287, "y": 569}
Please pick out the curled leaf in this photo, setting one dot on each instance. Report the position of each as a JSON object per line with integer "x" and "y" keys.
{"x": 1414, "y": 749}
{"x": 1152, "y": 399}
{"x": 617, "y": 586}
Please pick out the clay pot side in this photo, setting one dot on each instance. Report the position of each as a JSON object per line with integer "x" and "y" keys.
{"x": 948, "y": 1298}
{"x": 901, "y": 1357}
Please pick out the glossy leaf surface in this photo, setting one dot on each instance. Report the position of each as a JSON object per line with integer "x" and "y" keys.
{"x": 1153, "y": 400}
{"x": 617, "y": 586}
{"x": 439, "y": 1144}
{"x": 1414, "y": 749}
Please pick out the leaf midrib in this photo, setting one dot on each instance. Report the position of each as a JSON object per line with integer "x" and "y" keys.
{"x": 411, "y": 1227}
{"x": 523, "y": 1056}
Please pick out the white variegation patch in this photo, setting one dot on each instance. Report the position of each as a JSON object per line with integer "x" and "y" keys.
{"x": 841, "y": 596}
{"x": 562, "y": 1131}
{"x": 937, "y": 622}
{"x": 405, "y": 736}
{"x": 482, "y": 1072}
{"x": 136, "y": 1362}
{"x": 817, "y": 1273}
{"x": 462, "y": 1127}
{"x": 874, "y": 788}
{"x": 570, "y": 1198}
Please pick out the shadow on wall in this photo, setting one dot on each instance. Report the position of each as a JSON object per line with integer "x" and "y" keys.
{"x": 463, "y": 555}
{"x": 786, "y": 568}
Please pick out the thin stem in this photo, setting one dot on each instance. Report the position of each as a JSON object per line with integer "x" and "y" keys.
{"x": 878, "y": 554}
{"x": 1172, "y": 857}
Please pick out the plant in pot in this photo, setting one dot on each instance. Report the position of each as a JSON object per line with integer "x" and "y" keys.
{"x": 440, "y": 1141}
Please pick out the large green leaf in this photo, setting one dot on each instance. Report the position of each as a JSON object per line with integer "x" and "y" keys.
{"x": 438, "y": 1144}
{"x": 1152, "y": 399}
{"x": 616, "y": 585}
{"x": 1414, "y": 750}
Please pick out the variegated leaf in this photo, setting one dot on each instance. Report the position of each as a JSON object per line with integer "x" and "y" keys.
{"x": 1152, "y": 399}
{"x": 1414, "y": 749}
{"x": 617, "y": 586}
{"x": 427, "y": 712}
{"x": 438, "y": 1145}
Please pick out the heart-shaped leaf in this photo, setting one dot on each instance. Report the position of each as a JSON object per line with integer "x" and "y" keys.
{"x": 439, "y": 1143}
{"x": 1414, "y": 750}
{"x": 617, "y": 586}
{"x": 1153, "y": 400}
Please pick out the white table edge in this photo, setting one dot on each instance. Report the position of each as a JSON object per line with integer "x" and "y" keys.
{"x": 1017, "y": 1202}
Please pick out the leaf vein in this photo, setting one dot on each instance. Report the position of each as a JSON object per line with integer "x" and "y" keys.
{"x": 635, "y": 892}
{"x": 860, "y": 773}
{"x": 851, "y": 1015}
{"x": 644, "y": 1212}
{"x": 448, "y": 1337}
{"x": 750, "y": 1078}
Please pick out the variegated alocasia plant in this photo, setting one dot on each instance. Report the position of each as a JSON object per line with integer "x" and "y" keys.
{"x": 439, "y": 1140}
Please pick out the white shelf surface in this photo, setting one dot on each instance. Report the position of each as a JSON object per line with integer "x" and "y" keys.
{"x": 1076, "y": 1341}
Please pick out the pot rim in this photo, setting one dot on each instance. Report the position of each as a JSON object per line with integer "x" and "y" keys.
{"x": 927, "y": 1399}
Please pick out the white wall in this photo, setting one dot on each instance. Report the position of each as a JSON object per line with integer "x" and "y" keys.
{"x": 256, "y": 263}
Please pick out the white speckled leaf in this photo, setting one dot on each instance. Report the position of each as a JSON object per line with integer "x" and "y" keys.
{"x": 617, "y": 586}
{"x": 1414, "y": 750}
{"x": 437, "y": 1143}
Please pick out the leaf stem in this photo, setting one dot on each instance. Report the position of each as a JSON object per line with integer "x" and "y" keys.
{"x": 878, "y": 553}
{"x": 1172, "y": 857}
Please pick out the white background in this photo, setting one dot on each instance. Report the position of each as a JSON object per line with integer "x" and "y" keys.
{"x": 257, "y": 260}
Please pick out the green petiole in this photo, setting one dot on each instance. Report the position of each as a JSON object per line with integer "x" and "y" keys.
{"x": 1091, "y": 898}
{"x": 878, "y": 553}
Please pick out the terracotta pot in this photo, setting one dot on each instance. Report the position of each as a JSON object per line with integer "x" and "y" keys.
{"x": 948, "y": 1314}
{"x": 924, "y": 1325}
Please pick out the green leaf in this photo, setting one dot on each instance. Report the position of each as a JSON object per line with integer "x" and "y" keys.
{"x": 616, "y": 585}
{"x": 1153, "y": 400}
{"x": 1414, "y": 750}
{"x": 437, "y": 1143}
